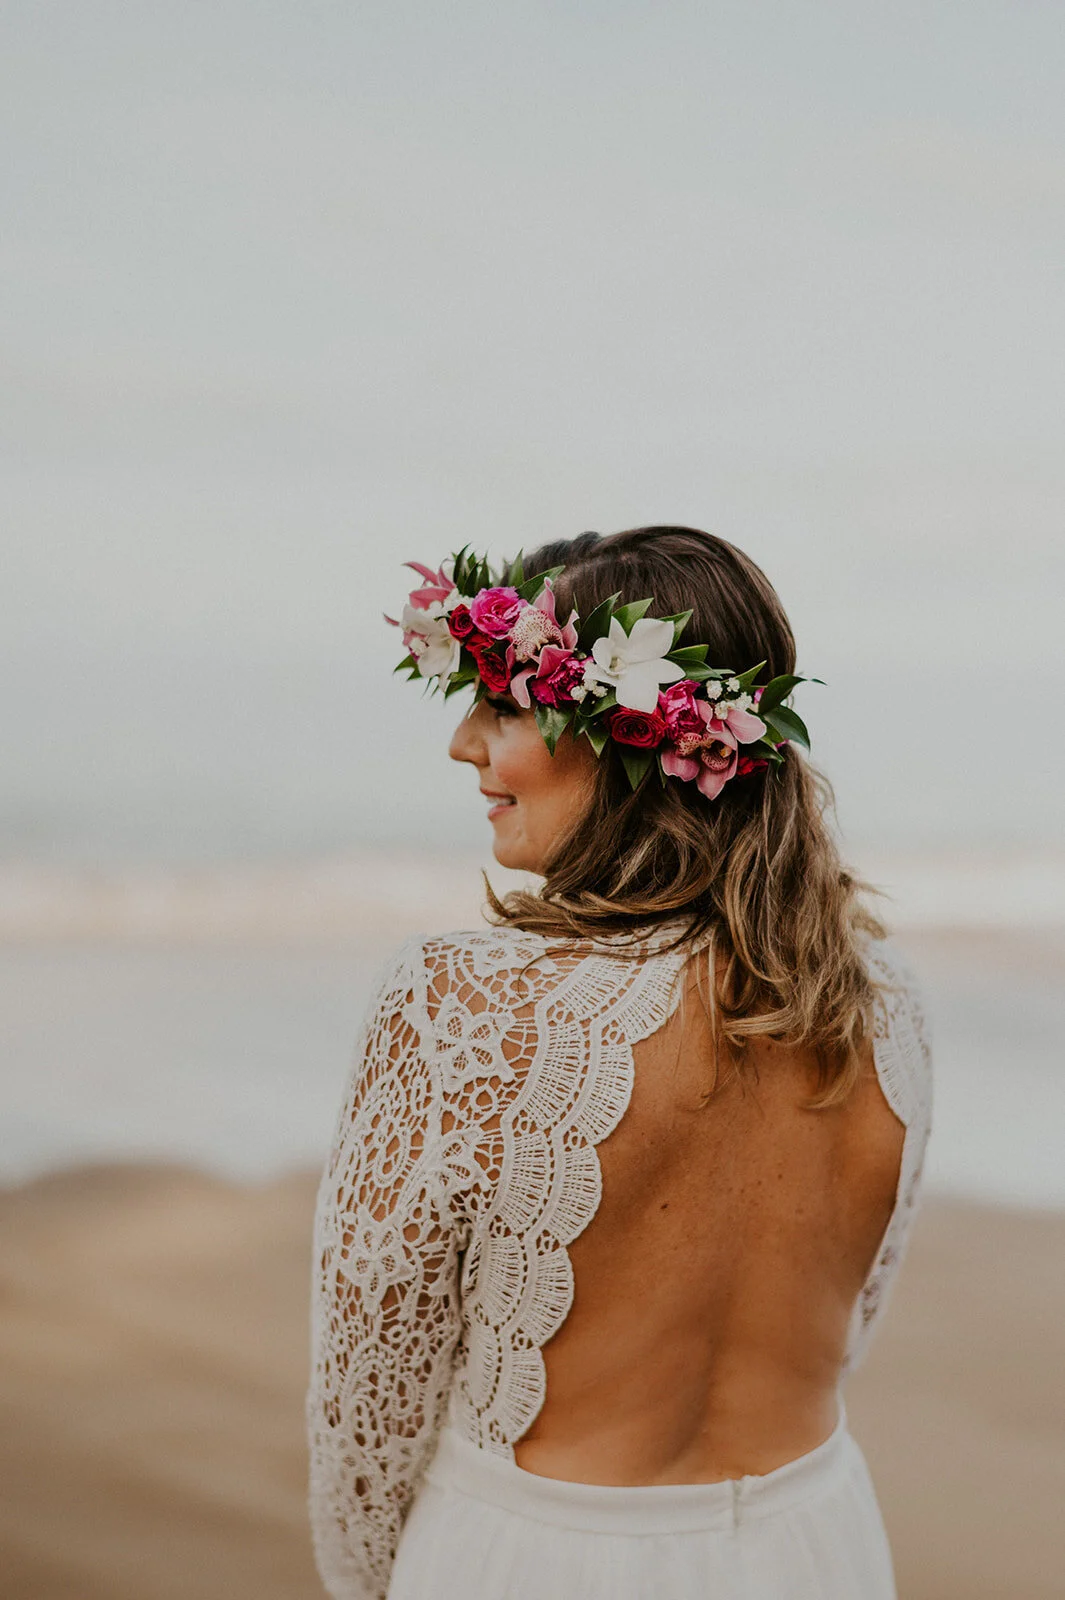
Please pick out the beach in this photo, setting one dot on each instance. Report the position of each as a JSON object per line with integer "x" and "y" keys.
{"x": 154, "y": 1354}
{"x": 171, "y": 1087}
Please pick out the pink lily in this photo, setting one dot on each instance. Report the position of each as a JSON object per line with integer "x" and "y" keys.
{"x": 436, "y": 587}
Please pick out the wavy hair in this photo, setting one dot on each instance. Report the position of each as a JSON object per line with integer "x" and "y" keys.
{"x": 756, "y": 872}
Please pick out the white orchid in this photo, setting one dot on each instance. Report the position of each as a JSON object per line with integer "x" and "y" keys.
{"x": 634, "y": 664}
{"x": 429, "y": 640}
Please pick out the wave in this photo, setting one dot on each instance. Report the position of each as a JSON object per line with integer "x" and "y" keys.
{"x": 366, "y": 897}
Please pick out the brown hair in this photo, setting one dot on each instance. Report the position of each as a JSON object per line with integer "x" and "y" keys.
{"x": 756, "y": 871}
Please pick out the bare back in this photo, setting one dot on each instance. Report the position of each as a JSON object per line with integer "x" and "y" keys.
{"x": 536, "y": 1229}
{"x": 713, "y": 1288}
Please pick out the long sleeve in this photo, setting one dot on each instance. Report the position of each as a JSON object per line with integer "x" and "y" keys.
{"x": 385, "y": 1311}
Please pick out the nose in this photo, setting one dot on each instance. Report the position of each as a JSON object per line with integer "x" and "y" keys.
{"x": 467, "y": 741}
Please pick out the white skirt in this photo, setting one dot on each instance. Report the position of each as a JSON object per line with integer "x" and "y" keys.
{"x": 482, "y": 1528}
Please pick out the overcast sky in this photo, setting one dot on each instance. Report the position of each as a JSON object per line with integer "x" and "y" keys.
{"x": 292, "y": 293}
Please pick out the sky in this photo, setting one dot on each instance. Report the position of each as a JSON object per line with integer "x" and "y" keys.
{"x": 291, "y": 294}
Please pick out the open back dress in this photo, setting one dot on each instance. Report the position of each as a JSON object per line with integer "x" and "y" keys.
{"x": 464, "y": 1164}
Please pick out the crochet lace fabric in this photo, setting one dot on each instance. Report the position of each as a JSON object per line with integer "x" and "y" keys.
{"x": 464, "y": 1164}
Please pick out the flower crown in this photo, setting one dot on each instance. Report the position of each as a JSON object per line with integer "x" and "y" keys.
{"x": 619, "y": 676}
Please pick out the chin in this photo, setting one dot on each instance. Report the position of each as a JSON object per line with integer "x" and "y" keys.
{"x": 513, "y": 855}
{"x": 507, "y": 856}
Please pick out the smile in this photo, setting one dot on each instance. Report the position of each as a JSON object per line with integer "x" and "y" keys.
{"x": 498, "y": 802}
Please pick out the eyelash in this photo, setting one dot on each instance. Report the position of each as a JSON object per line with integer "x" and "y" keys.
{"x": 502, "y": 708}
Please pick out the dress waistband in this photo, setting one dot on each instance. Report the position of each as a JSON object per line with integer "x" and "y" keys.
{"x": 463, "y": 1467}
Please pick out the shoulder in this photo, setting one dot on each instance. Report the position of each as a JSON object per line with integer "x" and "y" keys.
{"x": 893, "y": 975}
{"x": 467, "y": 968}
{"x": 483, "y": 954}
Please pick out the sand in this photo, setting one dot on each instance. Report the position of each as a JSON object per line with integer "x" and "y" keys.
{"x": 153, "y": 1354}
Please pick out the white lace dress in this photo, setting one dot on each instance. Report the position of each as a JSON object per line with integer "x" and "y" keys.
{"x": 464, "y": 1164}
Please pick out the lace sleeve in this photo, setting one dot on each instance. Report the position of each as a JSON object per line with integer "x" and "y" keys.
{"x": 902, "y": 1043}
{"x": 385, "y": 1314}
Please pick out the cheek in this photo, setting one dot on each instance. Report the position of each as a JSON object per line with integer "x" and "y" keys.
{"x": 520, "y": 759}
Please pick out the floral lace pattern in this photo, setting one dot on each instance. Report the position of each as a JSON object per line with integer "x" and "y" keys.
{"x": 488, "y": 1070}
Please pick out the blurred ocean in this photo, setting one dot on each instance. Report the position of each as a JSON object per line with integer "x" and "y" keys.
{"x": 208, "y": 1015}
{"x": 286, "y": 307}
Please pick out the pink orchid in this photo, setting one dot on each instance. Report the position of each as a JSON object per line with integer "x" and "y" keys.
{"x": 711, "y": 757}
{"x": 437, "y": 586}
{"x": 538, "y": 625}
{"x": 743, "y": 724}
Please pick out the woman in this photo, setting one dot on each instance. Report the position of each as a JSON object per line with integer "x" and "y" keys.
{"x": 621, "y": 1181}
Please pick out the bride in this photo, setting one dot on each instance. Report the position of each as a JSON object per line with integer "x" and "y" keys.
{"x": 622, "y": 1179}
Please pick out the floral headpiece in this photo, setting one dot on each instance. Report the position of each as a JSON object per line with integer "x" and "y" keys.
{"x": 618, "y": 676}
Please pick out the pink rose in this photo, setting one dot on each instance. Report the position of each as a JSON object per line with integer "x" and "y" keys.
{"x": 495, "y": 611}
{"x": 644, "y": 729}
{"x": 679, "y": 709}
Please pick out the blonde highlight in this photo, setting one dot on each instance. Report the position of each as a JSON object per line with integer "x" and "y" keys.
{"x": 755, "y": 875}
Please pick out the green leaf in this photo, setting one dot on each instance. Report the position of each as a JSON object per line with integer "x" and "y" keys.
{"x": 552, "y": 723}
{"x": 776, "y": 691}
{"x": 597, "y": 623}
{"x": 597, "y": 737}
{"x": 531, "y": 587}
{"x": 408, "y": 661}
{"x": 459, "y": 569}
{"x": 631, "y": 613}
{"x": 595, "y": 708}
{"x": 748, "y": 679}
{"x": 692, "y": 655}
{"x": 680, "y": 620}
{"x": 696, "y": 673}
{"x": 637, "y": 763}
{"x": 788, "y": 724}
{"x": 515, "y": 573}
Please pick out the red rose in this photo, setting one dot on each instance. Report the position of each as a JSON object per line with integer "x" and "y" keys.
{"x": 461, "y": 623}
{"x": 644, "y": 729}
{"x": 494, "y": 659}
{"x": 747, "y": 764}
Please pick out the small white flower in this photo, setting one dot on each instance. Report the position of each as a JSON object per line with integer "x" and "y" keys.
{"x": 713, "y": 689}
{"x": 743, "y": 702}
{"x": 732, "y": 685}
{"x": 578, "y": 692}
{"x": 598, "y": 689}
{"x": 634, "y": 664}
